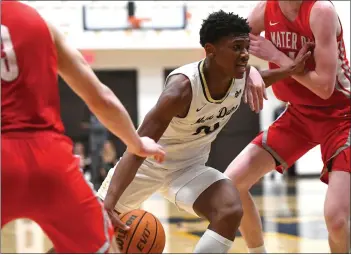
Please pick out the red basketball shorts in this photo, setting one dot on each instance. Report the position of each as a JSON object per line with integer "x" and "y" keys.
{"x": 41, "y": 181}
{"x": 300, "y": 128}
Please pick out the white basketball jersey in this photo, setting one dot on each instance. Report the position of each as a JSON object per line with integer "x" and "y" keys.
{"x": 187, "y": 141}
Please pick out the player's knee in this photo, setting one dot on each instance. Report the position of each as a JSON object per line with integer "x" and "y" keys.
{"x": 337, "y": 221}
{"x": 242, "y": 187}
{"x": 241, "y": 183}
{"x": 229, "y": 215}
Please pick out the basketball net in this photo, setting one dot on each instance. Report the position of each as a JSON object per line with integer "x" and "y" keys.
{"x": 136, "y": 22}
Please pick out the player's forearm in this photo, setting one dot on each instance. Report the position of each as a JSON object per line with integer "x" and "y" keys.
{"x": 321, "y": 86}
{"x": 113, "y": 115}
{"x": 273, "y": 75}
{"x": 124, "y": 174}
{"x": 311, "y": 80}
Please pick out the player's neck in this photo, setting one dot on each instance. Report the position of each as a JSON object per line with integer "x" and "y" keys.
{"x": 290, "y": 6}
{"x": 217, "y": 81}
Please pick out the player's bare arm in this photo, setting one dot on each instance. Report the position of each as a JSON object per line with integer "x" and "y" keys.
{"x": 174, "y": 101}
{"x": 268, "y": 77}
{"x": 255, "y": 90}
{"x": 100, "y": 99}
{"x": 271, "y": 76}
{"x": 256, "y": 18}
{"x": 324, "y": 25}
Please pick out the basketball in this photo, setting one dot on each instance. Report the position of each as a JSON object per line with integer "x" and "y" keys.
{"x": 146, "y": 233}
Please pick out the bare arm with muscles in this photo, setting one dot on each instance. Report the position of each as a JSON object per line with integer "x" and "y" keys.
{"x": 99, "y": 98}
{"x": 297, "y": 66}
{"x": 174, "y": 101}
{"x": 324, "y": 26}
{"x": 259, "y": 80}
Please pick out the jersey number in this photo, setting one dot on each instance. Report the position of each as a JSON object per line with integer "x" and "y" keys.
{"x": 207, "y": 130}
{"x": 9, "y": 67}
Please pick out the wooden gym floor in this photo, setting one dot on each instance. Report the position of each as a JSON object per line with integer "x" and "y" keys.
{"x": 292, "y": 214}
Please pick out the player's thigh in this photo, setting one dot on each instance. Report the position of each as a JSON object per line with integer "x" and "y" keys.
{"x": 77, "y": 223}
{"x": 14, "y": 179}
{"x": 74, "y": 218}
{"x": 335, "y": 148}
{"x": 337, "y": 175}
{"x": 146, "y": 182}
{"x": 249, "y": 166}
{"x": 186, "y": 188}
{"x": 286, "y": 140}
{"x": 337, "y": 202}
{"x": 278, "y": 147}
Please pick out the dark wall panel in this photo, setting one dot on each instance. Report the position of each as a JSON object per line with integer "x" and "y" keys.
{"x": 74, "y": 112}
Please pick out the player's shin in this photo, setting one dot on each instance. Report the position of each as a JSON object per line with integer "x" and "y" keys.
{"x": 223, "y": 214}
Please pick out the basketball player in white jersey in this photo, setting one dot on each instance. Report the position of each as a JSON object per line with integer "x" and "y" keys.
{"x": 198, "y": 100}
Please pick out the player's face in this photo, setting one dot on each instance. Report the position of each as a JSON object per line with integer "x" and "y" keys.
{"x": 232, "y": 55}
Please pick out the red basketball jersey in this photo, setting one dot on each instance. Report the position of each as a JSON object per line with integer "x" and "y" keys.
{"x": 289, "y": 37}
{"x": 29, "y": 82}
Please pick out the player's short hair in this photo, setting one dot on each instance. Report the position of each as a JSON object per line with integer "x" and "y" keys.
{"x": 220, "y": 24}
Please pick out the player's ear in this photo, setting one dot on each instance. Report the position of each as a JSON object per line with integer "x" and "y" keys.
{"x": 210, "y": 50}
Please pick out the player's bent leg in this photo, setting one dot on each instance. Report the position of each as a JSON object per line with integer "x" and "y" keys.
{"x": 206, "y": 192}
{"x": 220, "y": 205}
{"x": 244, "y": 171}
{"x": 279, "y": 147}
{"x": 337, "y": 204}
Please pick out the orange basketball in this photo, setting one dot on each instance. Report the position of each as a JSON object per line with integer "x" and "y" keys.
{"x": 146, "y": 233}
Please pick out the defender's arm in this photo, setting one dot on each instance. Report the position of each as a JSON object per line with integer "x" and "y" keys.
{"x": 324, "y": 24}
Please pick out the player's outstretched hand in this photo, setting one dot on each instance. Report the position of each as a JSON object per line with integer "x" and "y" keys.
{"x": 255, "y": 91}
{"x": 301, "y": 58}
{"x": 262, "y": 48}
{"x": 149, "y": 148}
{"x": 115, "y": 220}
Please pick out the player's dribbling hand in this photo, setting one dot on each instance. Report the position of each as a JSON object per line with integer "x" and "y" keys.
{"x": 149, "y": 148}
{"x": 255, "y": 91}
{"x": 301, "y": 58}
{"x": 115, "y": 220}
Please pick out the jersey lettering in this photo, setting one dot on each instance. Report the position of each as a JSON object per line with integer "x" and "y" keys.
{"x": 207, "y": 129}
{"x": 9, "y": 67}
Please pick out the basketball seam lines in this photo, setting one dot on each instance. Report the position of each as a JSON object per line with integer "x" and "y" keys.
{"x": 122, "y": 218}
{"x": 136, "y": 227}
{"x": 155, "y": 236}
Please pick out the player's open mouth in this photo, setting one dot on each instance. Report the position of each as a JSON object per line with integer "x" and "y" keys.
{"x": 242, "y": 67}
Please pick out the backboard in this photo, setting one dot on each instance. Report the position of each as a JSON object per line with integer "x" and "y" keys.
{"x": 158, "y": 15}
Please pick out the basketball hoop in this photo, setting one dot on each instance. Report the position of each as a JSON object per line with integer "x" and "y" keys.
{"x": 136, "y": 22}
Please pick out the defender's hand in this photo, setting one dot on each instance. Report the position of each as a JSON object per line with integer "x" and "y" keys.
{"x": 262, "y": 48}
{"x": 148, "y": 148}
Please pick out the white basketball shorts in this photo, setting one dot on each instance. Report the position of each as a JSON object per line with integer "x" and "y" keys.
{"x": 181, "y": 187}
